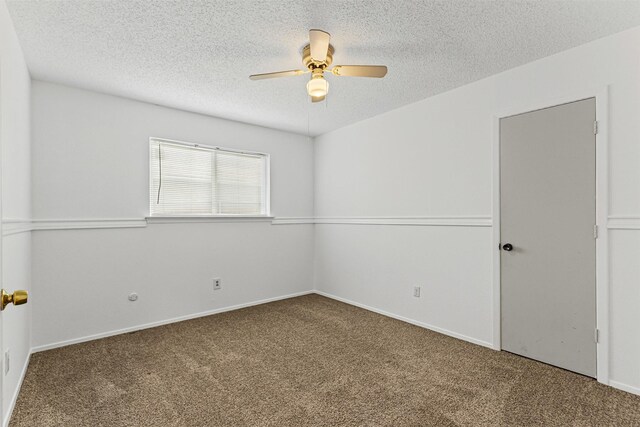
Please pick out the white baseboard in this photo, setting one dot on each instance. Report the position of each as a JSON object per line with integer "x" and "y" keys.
{"x": 163, "y": 322}
{"x": 407, "y": 320}
{"x": 625, "y": 387}
{"x": 16, "y": 392}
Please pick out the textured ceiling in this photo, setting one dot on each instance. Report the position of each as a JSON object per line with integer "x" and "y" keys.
{"x": 197, "y": 55}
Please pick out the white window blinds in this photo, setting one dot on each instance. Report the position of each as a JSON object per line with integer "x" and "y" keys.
{"x": 194, "y": 180}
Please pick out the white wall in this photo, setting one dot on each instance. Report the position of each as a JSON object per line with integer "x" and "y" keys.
{"x": 16, "y": 201}
{"x": 433, "y": 159}
{"x": 90, "y": 161}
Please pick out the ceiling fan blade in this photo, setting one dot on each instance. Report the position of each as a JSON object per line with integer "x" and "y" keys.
{"x": 360, "y": 70}
{"x": 318, "y": 98}
{"x": 319, "y": 41}
{"x": 277, "y": 74}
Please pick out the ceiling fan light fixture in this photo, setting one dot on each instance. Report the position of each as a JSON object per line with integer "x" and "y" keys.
{"x": 317, "y": 57}
{"x": 317, "y": 86}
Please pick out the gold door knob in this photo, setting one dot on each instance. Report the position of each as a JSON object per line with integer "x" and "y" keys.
{"x": 17, "y": 298}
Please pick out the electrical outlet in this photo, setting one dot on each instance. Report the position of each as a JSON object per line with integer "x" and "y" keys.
{"x": 416, "y": 291}
{"x": 217, "y": 284}
{"x": 7, "y": 362}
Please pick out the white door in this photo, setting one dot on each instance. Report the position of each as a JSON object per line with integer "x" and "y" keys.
{"x": 547, "y": 220}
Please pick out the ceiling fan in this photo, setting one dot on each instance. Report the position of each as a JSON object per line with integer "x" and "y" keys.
{"x": 317, "y": 56}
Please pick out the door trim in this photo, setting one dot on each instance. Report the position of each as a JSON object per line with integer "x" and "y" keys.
{"x": 601, "y": 96}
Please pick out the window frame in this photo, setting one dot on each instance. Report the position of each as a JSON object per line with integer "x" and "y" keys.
{"x": 267, "y": 179}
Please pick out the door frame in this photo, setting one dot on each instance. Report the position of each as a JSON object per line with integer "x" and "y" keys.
{"x": 601, "y": 96}
{"x": 2, "y": 375}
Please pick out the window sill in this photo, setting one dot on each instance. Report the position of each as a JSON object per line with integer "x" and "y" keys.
{"x": 200, "y": 219}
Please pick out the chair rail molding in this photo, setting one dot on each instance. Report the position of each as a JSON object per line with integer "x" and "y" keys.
{"x": 623, "y": 222}
{"x": 12, "y": 226}
{"x": 444, "y": 221}
{"x": 15, "y": 226}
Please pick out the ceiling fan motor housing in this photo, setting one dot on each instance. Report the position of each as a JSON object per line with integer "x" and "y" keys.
{"x": 311, "y": 64}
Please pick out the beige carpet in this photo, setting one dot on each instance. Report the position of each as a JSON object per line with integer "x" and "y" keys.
{"x": 308, "y": 361}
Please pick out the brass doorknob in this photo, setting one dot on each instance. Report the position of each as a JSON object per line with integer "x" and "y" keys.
{"x": 17, "y": 298}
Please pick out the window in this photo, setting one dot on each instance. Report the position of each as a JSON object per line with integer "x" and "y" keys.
{"x": 193, "y": 180}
